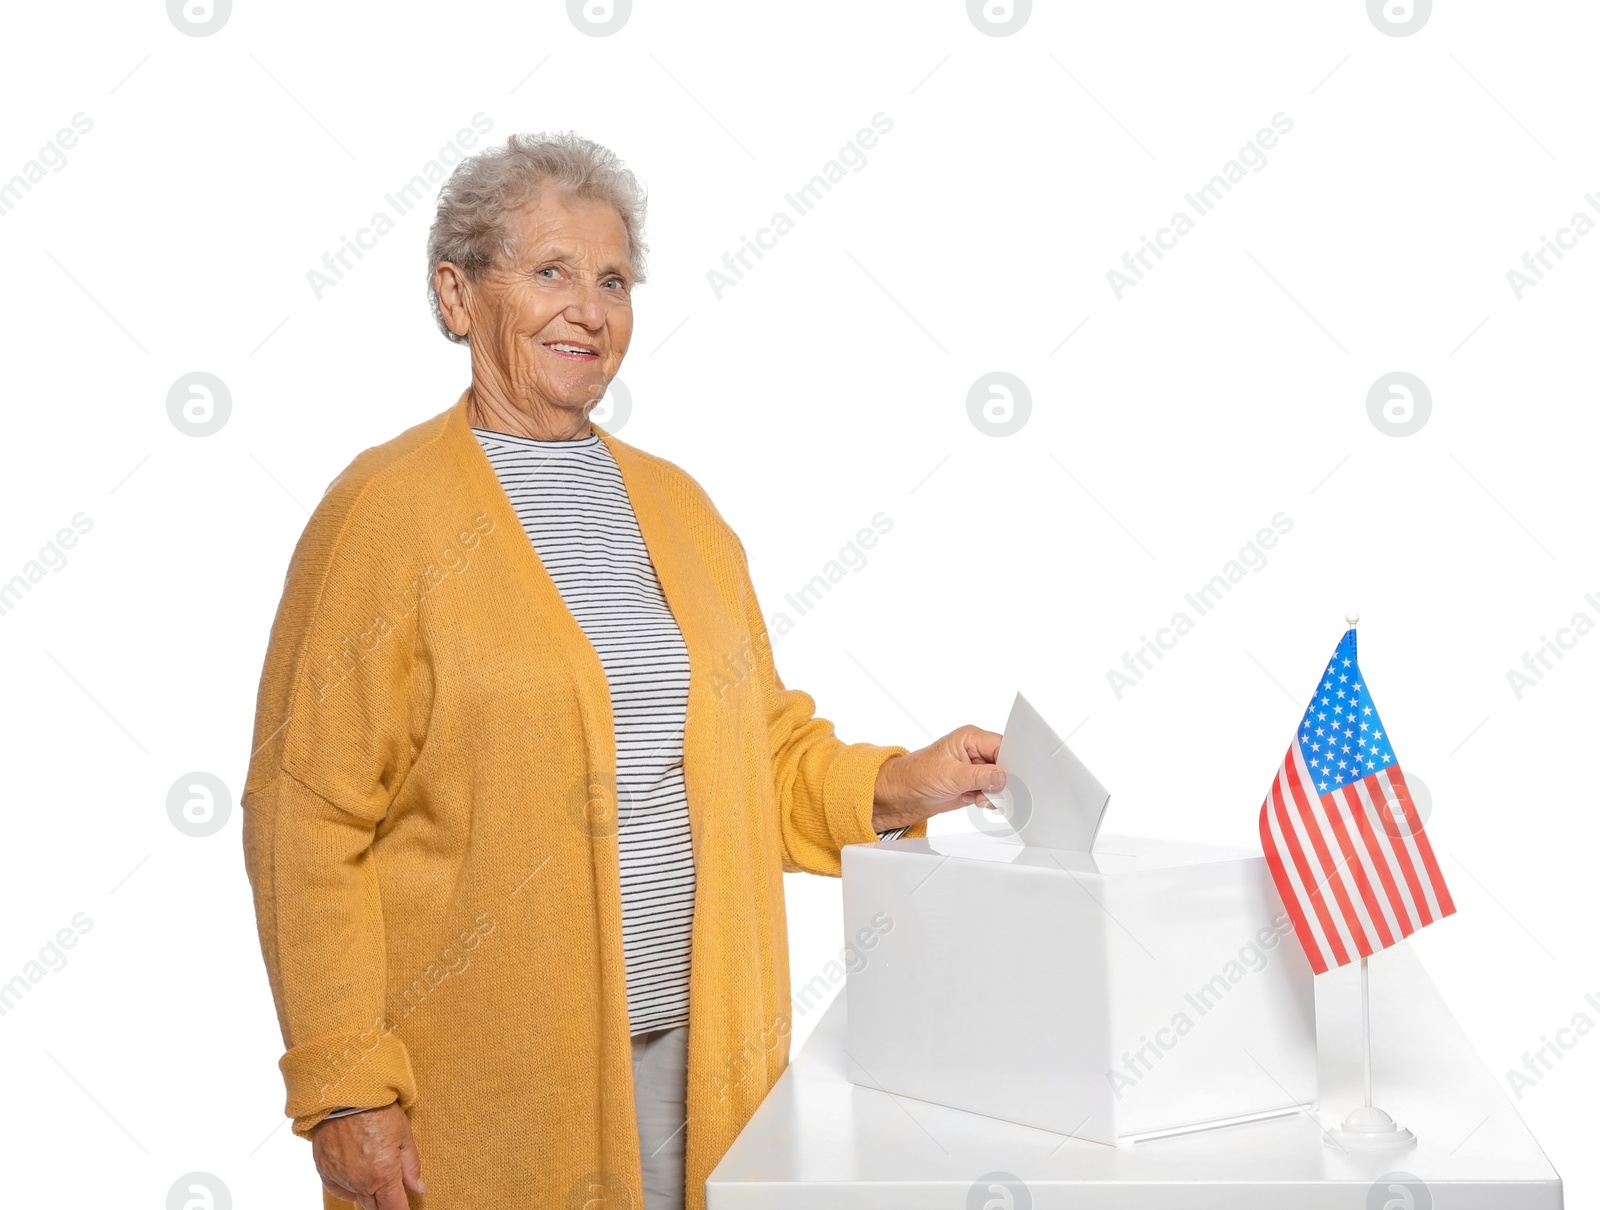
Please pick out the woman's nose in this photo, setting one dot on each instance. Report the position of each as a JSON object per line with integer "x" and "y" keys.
{"x": 587, "y": 303}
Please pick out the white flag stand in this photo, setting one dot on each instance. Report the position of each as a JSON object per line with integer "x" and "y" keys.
{"x": 1367, "y": 1128}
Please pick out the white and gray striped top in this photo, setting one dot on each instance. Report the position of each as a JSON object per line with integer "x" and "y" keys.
{"x": 574, "y": 507}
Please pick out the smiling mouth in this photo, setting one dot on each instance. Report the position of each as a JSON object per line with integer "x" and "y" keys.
{"x": 572, "y": 351}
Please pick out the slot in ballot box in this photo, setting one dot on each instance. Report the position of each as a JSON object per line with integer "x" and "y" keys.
{"x": 1143, "y": 989}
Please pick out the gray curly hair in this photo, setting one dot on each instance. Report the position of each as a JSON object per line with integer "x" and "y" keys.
{"x": 470, "y": 226}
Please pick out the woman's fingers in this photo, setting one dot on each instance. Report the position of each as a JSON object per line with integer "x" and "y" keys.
{"x": 345, "y": 1194}
{"x": 979, "y": 745}
{"x": 972, "y": 755}
{"x": 982, "y": 777}
{"x": 411, "y": 1166}
{"x": 958, "y": 771}
{"x": 340, "y": 1192}
{"x": 392, "y": 1196}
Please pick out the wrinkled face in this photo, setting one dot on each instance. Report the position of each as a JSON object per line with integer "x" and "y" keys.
{"x": 551, "y": 327}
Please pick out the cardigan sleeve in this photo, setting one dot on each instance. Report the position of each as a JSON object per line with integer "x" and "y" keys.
{"x": 824, "y": 785}
{"x": 340, "y": 714}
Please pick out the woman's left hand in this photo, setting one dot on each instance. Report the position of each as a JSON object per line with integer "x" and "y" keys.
{"x": 949, "y": 773}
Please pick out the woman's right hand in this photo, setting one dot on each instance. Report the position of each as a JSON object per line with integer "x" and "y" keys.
{"x": 368, "y": 1158}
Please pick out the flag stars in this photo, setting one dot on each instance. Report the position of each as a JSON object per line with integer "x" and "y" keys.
{"x": 1340, "y": 736}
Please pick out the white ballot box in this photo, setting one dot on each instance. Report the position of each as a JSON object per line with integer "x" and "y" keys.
{"x": 1143, "y": 989}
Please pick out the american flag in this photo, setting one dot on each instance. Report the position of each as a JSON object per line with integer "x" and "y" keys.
{"x": 1342, "y": 836}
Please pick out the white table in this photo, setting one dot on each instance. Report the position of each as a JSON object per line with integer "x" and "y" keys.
{"x": 820, "y": 1141}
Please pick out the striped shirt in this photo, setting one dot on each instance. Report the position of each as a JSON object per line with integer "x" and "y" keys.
{"x": 572, "y": 503}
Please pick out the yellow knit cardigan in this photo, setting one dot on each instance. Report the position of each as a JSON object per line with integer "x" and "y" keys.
{"x": 430, "y": 830}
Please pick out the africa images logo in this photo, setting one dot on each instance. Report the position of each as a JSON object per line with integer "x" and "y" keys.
{"x": 999, "y": 18}
{"x": 1399, "y": 18}
{"x": 599, "y": 18}
{"x": 199, "y": 18}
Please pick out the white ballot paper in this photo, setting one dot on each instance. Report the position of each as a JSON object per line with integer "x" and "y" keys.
{"x": 1050, "y": 798}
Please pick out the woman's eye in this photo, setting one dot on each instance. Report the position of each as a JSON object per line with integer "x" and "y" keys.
{"x": 547, "y": 269}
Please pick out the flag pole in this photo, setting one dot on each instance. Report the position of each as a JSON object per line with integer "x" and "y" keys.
{"x": 1368, "y": 1128}
{"x": 1366, "y": 1039}
{"x": 1351, "y": 619}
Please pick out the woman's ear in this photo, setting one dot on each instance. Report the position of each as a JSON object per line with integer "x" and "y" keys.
{"x": 451, "y": 285}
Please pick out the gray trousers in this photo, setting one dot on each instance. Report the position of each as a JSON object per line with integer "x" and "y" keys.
{"x": 660, "y": 1085}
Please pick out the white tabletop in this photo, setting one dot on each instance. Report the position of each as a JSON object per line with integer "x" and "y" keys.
{"x": 820, "y": 1141}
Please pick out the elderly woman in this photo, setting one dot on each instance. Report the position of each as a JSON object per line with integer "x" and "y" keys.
{"x": 516, "y": 839}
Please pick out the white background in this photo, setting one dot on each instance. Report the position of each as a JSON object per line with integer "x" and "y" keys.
{"x": 829, "y": 385}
